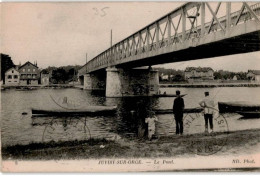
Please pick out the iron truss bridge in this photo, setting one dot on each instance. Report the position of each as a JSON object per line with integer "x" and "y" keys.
{"x": 195, "y": 30}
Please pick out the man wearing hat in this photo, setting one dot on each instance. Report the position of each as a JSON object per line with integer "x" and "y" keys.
{"x": 208, "y": 104}
{"x": 178, "y": 108}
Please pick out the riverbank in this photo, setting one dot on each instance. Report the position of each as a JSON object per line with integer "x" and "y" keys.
{"x": 210, "y": 85}
{"x": 32, "y": 87}
{"x": 161, "y": 85}
{"x": 233, "y": 143}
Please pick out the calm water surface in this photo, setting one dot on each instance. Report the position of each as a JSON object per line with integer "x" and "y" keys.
{"x": 23, "y": 129}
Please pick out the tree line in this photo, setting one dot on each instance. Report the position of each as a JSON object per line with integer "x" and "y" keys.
{"x": 179, "y": 75}
{"x": 227, "y": 75}
{"x": 64, "y": 74}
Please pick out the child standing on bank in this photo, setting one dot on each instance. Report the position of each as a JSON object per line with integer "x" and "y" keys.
{"x": 151, "y": 124}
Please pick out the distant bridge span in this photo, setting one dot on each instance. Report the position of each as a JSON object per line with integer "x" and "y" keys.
{"x": 177, "y": 36}
{"x": 193, "y": 31}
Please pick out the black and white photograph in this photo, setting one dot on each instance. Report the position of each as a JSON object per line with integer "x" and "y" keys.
{"x": 130, "y": 86}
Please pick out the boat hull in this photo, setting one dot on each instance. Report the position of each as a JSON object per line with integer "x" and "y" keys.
{"x": 77, "y": 112}
{"x": 169, "y": 111}
{"x": 166, "y": 95}
{"x": 250, "y": 114}
{"x": 231, "y": 107}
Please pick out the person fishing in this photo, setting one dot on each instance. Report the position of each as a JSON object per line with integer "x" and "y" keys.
{"x": 178, "y": 109}
{"x": 208, "y": 104}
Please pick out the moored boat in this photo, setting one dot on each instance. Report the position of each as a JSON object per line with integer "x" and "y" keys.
{"x": 225, "y": 107}
{"x": 91, "y": 110}
{"x": 249, "y": 114}
{"x": 169, "y": 111}
{"x": 167, "y": 95}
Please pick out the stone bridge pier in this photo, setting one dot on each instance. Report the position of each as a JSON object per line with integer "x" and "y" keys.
{"x": 119, "y": 82}
{"x": 95, "y": 81}
{"x": 131, "y": 82}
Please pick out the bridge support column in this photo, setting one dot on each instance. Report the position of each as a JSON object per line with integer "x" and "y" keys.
{"x": 113, "y": 83}
{"x": 87, "y": 82}
{"x": 131, "y": 82}
{"x": 94, "y": 82}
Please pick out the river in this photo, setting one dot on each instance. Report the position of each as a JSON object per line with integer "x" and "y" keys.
{"x": 128, "y": 122}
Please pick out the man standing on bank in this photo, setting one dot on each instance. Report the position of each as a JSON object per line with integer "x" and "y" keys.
{"x": 208, "y": 104}
{"x": 178, "y": 108}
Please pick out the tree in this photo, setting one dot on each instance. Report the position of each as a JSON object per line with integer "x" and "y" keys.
{"x": 217, "y": 75}
{"x": 242, "y": 75}
{"x": 59, "y": 75}
{"x": 72, "y": 74}
{"x": 178, "y": 78}
{"x": 6, "y": 63}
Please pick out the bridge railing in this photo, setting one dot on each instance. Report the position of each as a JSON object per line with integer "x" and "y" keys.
{"x": 171, "y": 30}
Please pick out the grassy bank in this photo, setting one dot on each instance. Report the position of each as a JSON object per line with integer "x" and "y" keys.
{"x": 237, "y": 142}
{"x": 64, "y": 150}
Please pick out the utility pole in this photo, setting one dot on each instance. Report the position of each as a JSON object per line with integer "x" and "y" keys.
{"x": 73, "y": 76}
{"x": 111, "y": 38}
{"x": 86, "y": 58}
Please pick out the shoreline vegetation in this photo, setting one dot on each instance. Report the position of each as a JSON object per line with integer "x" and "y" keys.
{"x": 232, "y": 143}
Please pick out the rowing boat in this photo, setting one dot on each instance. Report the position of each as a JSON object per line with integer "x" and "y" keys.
{"x": 167, "y": 95}
{"x": 91, "y": 110}
{"x": 169, "y": 111}
{"x": 249, "y": 114}
{"x": 225, "y": 107}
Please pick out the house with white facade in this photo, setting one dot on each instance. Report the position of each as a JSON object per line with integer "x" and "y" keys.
{"x": 202, "y": 73}
{"x": 12, "y": 77}
{"x": 164, "y": 77}
{"x": 253, "y": 75}
{"x": 45, "y": 77}
{"x": 234, "y": 78}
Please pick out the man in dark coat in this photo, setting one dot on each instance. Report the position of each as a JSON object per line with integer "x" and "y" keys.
{"x": 178, "y": 108}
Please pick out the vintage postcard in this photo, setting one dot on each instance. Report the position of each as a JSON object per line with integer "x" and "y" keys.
{"x": 130, "y": 86}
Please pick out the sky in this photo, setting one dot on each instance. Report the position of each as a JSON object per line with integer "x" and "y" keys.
{"x": 59, "y": 34}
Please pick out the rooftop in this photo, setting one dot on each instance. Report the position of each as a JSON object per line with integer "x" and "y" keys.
{"x": 256, "y": 72}
{"x": 198, "y": 69}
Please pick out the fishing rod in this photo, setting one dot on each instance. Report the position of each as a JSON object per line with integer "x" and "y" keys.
{"x": 220, "y": 88}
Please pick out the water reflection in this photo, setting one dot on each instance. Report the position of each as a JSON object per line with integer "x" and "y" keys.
{"x": 132, "y": 112}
